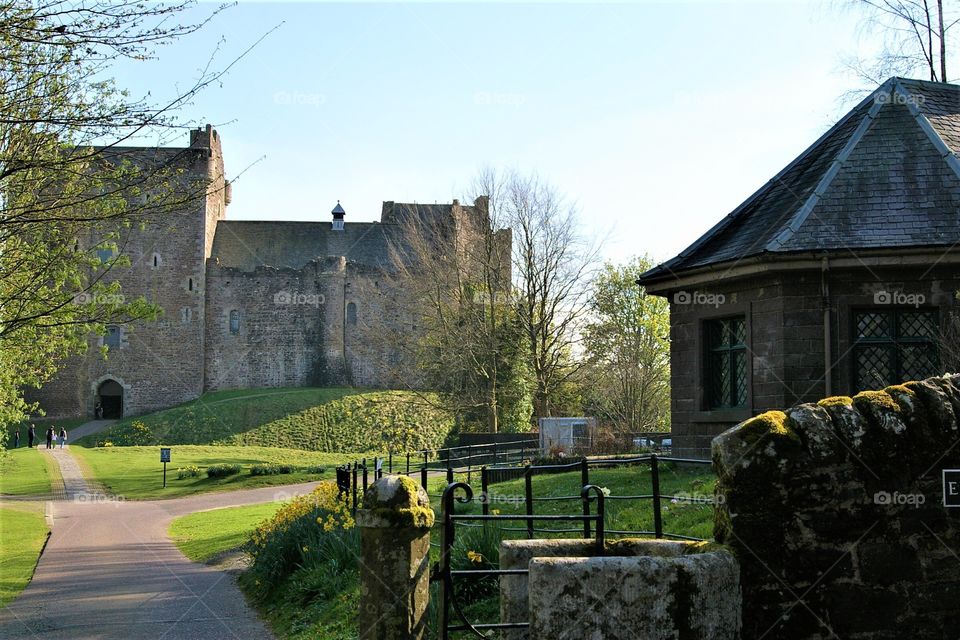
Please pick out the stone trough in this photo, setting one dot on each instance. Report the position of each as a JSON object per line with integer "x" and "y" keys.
{"x": 651, "y": 589}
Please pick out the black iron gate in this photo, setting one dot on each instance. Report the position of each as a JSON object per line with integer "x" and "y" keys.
{"x": 446, "y": 576}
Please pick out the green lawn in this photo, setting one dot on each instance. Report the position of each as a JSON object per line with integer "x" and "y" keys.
{"x": 26, "y": 471}
{"x": 682, "y": 518}
{"x": 203, "y": 535}
{"x": 22, "y": 536}
{"x": 136, "y": 472}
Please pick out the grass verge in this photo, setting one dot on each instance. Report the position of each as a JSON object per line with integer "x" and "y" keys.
{"x": 206, "y": 534}
{"x": 26, "y": 471}
{"x": 136, "y": 472}
{"x": 22, "y": 536}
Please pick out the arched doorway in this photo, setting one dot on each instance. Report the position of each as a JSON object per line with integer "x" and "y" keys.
{"x": 110, "y": 398}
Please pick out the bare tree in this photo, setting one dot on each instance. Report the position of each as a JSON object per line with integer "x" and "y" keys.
{"x": 916, "y": 35}
{"x": 451, "y": 282}
{"x": 553, "y": 266}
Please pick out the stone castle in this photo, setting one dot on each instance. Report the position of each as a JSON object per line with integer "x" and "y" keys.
{"x": 247, "y": 304}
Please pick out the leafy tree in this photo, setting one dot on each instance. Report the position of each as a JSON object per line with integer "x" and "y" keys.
{"x": 67, "y": 190}
{"x": 628, "y": 351}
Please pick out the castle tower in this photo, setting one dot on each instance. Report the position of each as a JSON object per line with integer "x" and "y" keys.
{"x": 156, "y": 364}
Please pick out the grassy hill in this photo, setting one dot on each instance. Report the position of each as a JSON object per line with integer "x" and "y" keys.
{"x": 314, "y": 419}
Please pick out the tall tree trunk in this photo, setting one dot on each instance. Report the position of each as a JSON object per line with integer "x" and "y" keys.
{"x": 943, "y": 43}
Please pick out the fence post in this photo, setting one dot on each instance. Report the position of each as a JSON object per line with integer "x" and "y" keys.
{"x": 485, "y": 503}
{"x": 354, "y": 508}
{"x": 390, "y": 462}
{"x": 364, "y": 475}
{"x": 423, "y": 478}
{"x": 494, "y": 453}
{"x": 408, "y": 463}
{"x": 395, "y": 559}
{"x": 449, "y": 472}
{"x": 469, "y": 464}
{"x": 655, "y": 482}
{"x": 528, "y": 498}
{"x": 584, "y": 481}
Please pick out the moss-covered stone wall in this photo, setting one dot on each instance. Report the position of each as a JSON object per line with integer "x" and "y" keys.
{"x": 835, "y": 512}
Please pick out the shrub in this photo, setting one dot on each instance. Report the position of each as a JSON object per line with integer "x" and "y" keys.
{"x": 188, "y": 472}
{"x": 312, "y": 530}
{"x": 223, "y": 470}
{"x": 314, "y": 469}
{"x": 271, "y": 469}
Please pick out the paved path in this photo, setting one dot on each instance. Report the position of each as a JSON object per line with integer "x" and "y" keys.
{"x": 88, "y": 428}
{"x": 110, "y": 572}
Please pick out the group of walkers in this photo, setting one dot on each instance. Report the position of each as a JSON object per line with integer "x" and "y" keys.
{"x": 53, "y": 437}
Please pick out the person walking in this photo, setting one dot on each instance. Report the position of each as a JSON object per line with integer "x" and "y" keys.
{"x": 31, "y": 436}
{"x": 16, "y": 439}
{"x": 98, "y": 411}
{"x": 63, "y": 436}
{"x": 50, "y": 437}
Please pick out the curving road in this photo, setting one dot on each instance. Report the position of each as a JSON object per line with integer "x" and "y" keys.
{"x": 109, "y": 571}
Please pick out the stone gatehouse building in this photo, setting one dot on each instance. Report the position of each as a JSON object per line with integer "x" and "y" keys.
{"x": 841, "y": 273}
{"x": 248, "y": 304}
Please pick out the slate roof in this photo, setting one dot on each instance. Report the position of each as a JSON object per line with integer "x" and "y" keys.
{"x": 246, "y": 244}
{"x": 887, "y": 175}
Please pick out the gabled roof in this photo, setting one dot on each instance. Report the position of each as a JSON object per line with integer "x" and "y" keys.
{"x": 887, "y": 175}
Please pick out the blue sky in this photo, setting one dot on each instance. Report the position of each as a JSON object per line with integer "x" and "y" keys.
{"x": 654, "y": 119}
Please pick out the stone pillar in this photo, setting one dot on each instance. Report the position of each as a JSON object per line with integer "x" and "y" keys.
{"x": 394, "y": 560}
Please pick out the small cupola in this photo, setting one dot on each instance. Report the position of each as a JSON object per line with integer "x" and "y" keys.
{"x": 338, "y": 214}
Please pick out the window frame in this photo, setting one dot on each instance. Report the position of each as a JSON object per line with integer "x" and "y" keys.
{"x": 706, "y": 353}
{"x": 113, "y": 330}
{"x": 233, "y": 327}
{"x": 892, "y": 342}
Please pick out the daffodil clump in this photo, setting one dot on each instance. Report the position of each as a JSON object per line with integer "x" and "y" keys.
{"x": 310, "y": 534}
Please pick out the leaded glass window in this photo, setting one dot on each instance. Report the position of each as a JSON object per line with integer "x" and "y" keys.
{"x": 893, "y": 346}
{"x": 726, "y": 362}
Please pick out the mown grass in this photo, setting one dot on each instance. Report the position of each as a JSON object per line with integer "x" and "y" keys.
{"x": 206, "y": 534}
{"x": 136, "y": 473}
{"x": 314, "y": 419}
{"x": 26, "y": 471}
{"x": 22, "y": 536}
{"x": 694, "y": 519}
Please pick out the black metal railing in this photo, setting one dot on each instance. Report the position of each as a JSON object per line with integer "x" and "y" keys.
{"x": 354, "y": 478}
{"x": 448, "y": 603}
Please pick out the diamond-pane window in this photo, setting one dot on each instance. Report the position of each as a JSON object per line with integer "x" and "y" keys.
{"x": 894, "y": 346}
{"x": 725, "y": 359}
